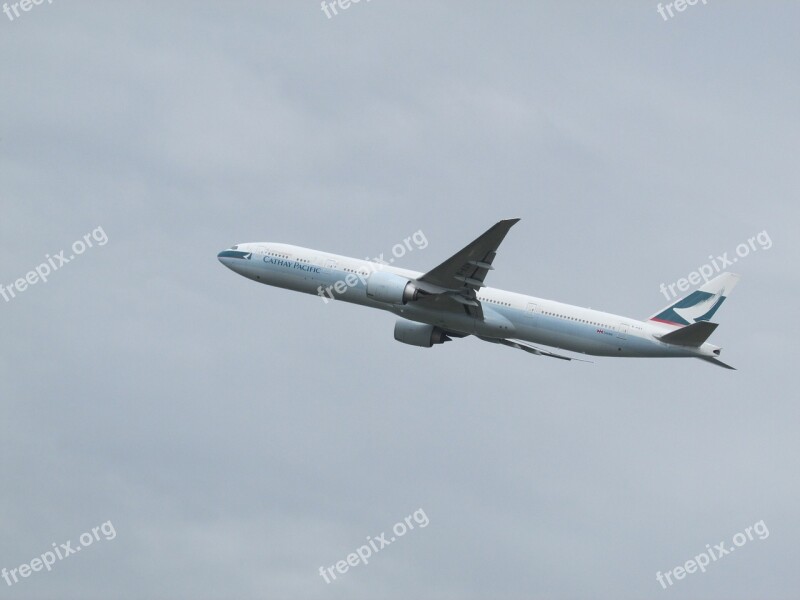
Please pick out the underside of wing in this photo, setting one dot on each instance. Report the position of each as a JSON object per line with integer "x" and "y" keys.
{"x": 453, "y": 302}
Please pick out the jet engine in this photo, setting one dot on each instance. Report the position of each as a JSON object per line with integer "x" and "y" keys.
{"x": 383, "y": 286}
{"x": 419, "y": 334}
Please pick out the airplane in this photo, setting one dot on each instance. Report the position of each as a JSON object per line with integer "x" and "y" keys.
{"x": 452, "y": 301}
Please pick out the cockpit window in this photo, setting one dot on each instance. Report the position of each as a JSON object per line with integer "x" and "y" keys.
{"x": 235, "y": 254}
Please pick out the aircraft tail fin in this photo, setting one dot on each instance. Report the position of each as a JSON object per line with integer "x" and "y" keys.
{"x": 700, "y": 305}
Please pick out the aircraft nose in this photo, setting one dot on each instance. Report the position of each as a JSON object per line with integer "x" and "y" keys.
{"x": 232, "y": 257}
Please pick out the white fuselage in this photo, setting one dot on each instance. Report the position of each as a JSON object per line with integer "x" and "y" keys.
{"x": 507, "y": 315}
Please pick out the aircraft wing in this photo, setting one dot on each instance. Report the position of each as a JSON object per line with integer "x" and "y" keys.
{"x": 529, "y": 348}
{"x": 465, "y": 271}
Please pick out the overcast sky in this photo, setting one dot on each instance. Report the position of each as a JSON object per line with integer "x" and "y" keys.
{"x": 238, "y": 436}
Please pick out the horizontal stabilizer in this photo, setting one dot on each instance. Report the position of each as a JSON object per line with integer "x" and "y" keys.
{"x": 692, "y": 335}
{"x": 718, "y": 362}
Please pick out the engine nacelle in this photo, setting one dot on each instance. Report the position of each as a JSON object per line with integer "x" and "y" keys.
{"x": 419, "y": 334}
{"x": 383, "y": 286}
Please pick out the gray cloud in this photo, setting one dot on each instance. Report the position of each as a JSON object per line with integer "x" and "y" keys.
{"x": 240, "y": 436}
